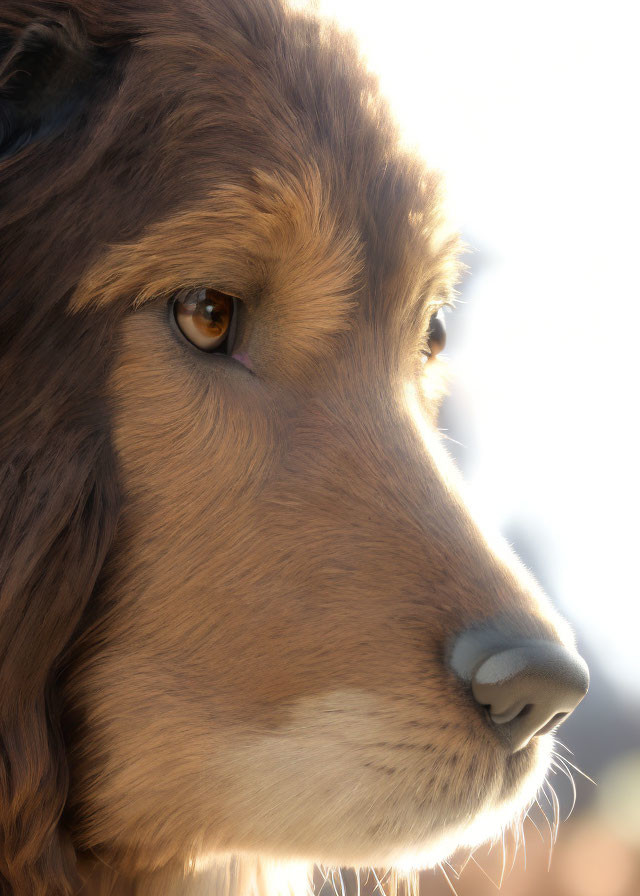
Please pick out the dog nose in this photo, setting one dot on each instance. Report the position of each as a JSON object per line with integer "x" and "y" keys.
{"x": 528, "y": 688}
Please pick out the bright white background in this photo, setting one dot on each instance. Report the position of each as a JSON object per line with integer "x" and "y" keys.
{"x": 531, "y": 111}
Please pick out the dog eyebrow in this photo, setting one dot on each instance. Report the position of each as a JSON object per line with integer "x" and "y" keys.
{"x": 276, "y": 232}
{"x": 280, "y": 236}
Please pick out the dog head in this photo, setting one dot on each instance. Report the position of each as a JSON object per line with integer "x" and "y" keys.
{"x": 244, "y": 605}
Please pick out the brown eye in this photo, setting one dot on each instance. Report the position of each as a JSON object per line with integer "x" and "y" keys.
{"x": 437, "y": 335}
{"x": 205, "y": 317}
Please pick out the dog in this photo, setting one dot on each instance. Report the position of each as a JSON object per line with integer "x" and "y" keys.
{"x": 246, "y": 614}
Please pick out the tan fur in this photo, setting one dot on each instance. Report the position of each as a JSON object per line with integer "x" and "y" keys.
{"x": 253, "y": 580}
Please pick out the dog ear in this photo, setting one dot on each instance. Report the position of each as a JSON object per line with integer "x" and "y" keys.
{"x": 47, "y": 74}
{"x": 58, "y": 486}
{"x": 58, "y": 512}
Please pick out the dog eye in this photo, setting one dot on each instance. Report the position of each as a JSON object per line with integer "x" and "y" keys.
{"x": 205, "y": 317}
{"x": 436, "y": 335}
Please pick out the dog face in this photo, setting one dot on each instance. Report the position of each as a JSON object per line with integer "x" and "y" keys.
{"x": 238, "y": 555}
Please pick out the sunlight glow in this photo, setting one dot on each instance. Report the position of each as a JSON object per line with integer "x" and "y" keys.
{"x": 528, "y": 112}
{"x": 286, "y": 878}
{"x": 256, "y": 875}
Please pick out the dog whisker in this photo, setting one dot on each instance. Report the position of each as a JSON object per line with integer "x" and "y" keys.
{"x": 504, "y": 861}
{"x": 524, "y": 842}
{"x": 556, "y": 810}
{"x": 446, "y": 877}
{"x": 488, "y": 876}
{"x": 580, "y": 772}
{"x": 451, "y": 868}
{"x": 561, "y": 765}
{"x": 466, "y": 861}
{"x": 559, "y": 743}
{"x": 546, "y": 818}
{"x": 379, "y": 886}
{"x": 529, "y": 818}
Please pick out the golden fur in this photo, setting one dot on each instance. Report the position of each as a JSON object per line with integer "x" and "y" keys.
{"x": 226, "y": 596}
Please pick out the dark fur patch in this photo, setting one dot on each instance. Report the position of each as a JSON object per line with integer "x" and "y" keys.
{"x": 48, "y": 76}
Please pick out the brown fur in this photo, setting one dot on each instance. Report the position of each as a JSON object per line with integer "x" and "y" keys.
{"x": 226, "y": 598}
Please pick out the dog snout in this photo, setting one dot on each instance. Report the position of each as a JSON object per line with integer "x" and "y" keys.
{"x": 527, "y": 686}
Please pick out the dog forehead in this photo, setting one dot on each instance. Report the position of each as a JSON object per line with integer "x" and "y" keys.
{"x": 287, "y": 175}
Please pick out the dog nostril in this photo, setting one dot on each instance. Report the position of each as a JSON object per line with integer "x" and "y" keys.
{"x": 526, "y": 689}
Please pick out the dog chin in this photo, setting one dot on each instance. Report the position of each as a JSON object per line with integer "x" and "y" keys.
{"x": 525, "y": 775}
{"x": 484, "y": 823}
{"x": 413, "y": 842}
